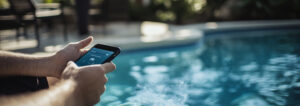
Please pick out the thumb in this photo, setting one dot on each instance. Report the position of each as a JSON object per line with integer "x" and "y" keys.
{"x": 85, "y": 42}
{"x": 72, "y": 64}
{"x": 69, "y": 70}
{"x": 109, "y": 67}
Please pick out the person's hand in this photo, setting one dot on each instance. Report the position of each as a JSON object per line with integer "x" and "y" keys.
{"x": 90, "y": 81}
{"x": 70, "y": 52}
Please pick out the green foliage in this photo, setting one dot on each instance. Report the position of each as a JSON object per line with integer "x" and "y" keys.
{"x": 209, "y": 9}
{"x": 178, "y": 11}
{"x": 51, "y": 1}
{"x": 4, "y": 4}
{"x": 266, "y": 9}
{"x": 166, "y": 10}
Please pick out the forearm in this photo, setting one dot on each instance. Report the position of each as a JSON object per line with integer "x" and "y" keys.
{"x": 21, "y": 64}
{"x": 62, "y": 94}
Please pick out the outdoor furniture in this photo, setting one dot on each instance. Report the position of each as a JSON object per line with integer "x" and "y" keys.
{"x": 8, "y": 21}
{"x": 82, "y": 12}
{"x": 27, "y": 12}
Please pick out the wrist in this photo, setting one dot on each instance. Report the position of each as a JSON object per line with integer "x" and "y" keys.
{"x": 57, "y": 65}
{"x": 75, "y": 97}
{"x": 64, "y": 93}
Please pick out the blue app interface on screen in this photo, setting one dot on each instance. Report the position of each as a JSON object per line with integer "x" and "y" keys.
{"x": 94, "y": 56}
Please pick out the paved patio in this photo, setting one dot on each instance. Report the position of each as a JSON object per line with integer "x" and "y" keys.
{"x": 127, "y": 35}
{"x": 52, "y": 40}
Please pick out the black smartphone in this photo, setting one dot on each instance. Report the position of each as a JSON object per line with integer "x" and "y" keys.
{"x": 98, "y": 54}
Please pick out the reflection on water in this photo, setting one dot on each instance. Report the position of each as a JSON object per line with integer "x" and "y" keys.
{"x": 260, "y": 71}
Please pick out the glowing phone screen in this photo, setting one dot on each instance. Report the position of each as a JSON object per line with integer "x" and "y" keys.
{"x": 94, "y": 56}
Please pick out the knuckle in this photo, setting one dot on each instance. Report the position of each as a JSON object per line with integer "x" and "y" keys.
{"x": 69, "y": 63}
{"x": 71, "y": 44}
{"x": 101, "y": 70}
{"x": 82, "y": 71}
{"x": 104, "y": 88}
{"x": 72, "y": 68}
{"x": 105, "y": 79}
{"x": 114, "y": 66}
{"x": 97, "y": 100}
{"x": 75, "y": 48}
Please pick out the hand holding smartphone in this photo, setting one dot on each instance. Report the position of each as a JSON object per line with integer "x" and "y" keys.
{"x": 98, "y": 54}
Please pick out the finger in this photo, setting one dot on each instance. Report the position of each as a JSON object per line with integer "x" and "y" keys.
{"x": 83, "y": 51}
{"x": 101, "y": 91}
{"x": 85, "y": 42}
{"x": 105, "y": 79}
{"x": 109, "y": 67}
{"x": 72, "y": 64}
{"x": 105, "y": 68}
{"x": 104, "y": 88}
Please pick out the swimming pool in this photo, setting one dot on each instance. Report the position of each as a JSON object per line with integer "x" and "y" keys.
{"x": 246, "y": 68}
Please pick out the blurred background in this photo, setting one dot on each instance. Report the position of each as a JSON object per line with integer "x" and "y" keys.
{"x": 68, "y": 19}
{"x": 186, "y": 52}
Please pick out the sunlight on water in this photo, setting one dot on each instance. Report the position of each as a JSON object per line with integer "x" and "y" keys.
{"x": 239, "y": 71}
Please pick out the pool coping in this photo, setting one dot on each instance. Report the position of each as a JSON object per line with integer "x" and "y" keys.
{"x": 199, "y": 31}
{"x": 241, "y": 26}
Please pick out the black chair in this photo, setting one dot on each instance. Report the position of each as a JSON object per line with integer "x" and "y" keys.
{"x": 9, "y": 21}
{"x": 27, "y": 11}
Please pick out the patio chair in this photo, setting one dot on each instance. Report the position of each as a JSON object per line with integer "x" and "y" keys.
{"x": 8, "y": 21}
{"x": 27, "y": 11}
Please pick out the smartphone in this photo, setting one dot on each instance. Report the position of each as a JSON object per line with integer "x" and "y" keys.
{"x": 98, "y": 54}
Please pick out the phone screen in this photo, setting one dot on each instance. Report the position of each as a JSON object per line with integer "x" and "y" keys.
{"x": 94, "y": 56}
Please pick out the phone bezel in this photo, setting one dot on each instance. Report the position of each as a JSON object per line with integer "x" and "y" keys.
{"x": 116, "y": 51}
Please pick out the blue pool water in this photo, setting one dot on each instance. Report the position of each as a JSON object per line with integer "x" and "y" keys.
{"x": 255, "y": 68}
